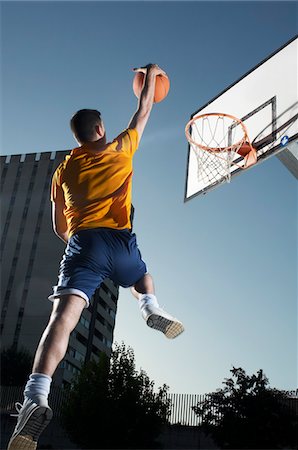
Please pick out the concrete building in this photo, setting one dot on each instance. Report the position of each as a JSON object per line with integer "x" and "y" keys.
{"x": 31, "y": 253}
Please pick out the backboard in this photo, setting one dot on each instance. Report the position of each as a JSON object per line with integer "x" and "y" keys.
{"x": 266, "y": 100}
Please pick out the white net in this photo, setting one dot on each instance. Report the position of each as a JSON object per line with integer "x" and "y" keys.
{"x": 215, "y": 140}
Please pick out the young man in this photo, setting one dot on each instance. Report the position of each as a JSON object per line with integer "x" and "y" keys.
{"x": 91, "y": 205}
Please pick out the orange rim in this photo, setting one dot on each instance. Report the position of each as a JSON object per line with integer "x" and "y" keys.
{"x": 217, "y": 149}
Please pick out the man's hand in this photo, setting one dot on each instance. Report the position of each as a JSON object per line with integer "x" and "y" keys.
{"x": 154, "y": 68}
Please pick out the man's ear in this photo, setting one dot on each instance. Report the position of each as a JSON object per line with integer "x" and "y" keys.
{"x": 100, "y": 130}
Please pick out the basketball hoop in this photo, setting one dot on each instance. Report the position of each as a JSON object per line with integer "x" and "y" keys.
{"x": 220, "y": 142}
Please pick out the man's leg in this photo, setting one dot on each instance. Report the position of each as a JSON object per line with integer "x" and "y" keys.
{"x": 52, "y": 347}
{"x": 35, "y": 414}
{"x": 143, "y": 286}
{"x": 154, "y": 316}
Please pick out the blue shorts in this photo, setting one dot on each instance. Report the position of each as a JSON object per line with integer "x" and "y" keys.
{"x": 95, "y": 254}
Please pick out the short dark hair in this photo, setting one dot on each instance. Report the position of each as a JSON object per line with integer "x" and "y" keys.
{"x": 83, "y": 123}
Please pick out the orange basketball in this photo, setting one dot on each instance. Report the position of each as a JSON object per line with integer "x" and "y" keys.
{"x": 162, "y": 86}
{"x": 244, "y": 149}
{"x": 249, "y": 154}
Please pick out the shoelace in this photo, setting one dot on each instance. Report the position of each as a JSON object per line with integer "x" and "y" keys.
{"x": 18, "y": 407}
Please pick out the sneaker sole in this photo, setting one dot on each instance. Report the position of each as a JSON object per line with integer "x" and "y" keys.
{"x": 22, "y": 443}
{"x": 27, "y": 436}
{"x": 170, "y": 328}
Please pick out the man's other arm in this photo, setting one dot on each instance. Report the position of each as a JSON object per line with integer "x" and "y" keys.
{"x": 58, "y": 217}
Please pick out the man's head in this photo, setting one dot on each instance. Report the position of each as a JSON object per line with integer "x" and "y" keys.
{"x": 87, "y": 126}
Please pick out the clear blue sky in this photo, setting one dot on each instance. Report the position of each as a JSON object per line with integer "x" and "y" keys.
{"x": 237, "y": 295}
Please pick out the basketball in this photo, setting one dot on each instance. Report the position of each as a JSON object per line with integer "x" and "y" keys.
{"x": 248, "y": 153}
{"x": 244, "y": 149}
{"x": 162, "y": 86}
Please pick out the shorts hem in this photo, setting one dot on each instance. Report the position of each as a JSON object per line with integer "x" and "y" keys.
{"x": 125, "y": 286}
{"x": 66, "y": 291}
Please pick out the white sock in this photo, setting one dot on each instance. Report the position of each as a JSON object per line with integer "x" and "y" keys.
{"x": 37, "y": 386}
{"x": 148, "y": 299}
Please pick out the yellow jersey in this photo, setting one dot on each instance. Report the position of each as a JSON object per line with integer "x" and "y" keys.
{"x": 97, "y": 185}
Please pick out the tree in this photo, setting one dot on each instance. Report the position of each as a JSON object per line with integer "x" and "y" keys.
{"x": 111, "y": 405}
{"x": 246, "y": 413}
{"x": 16, "y": 366}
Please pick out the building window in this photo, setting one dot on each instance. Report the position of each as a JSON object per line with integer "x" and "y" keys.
{"x": 100, "y": 318}
{"x": 81, "y": 339}
{"x": 70, "y": 367}
{"x": 104, "y": 322}
{"x": 96, "y": 351}
{"x": 85, "y": 322}
{"x": 103, "y": 304}
{"x": 104, "y": 288}
{"x": 75, "y": 354}
{"x": 102, "y": 338}
{"x": 99, "y": 335}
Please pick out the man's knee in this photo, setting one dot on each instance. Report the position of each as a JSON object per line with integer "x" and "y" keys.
{"x": 68, "y": 309}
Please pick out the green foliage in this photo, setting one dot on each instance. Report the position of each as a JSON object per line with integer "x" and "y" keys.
{"x": 111, "y": 405}
{"x": 15, "y": 366}
{"x": 246, "y": 413}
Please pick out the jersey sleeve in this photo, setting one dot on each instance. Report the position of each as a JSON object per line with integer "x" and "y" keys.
{"x": 56, "y": 182}
{"x": 134, "y": 139}
{"x": 127, "y": 141}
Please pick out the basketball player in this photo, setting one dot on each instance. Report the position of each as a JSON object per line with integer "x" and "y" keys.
{"x": 91, "y": 204}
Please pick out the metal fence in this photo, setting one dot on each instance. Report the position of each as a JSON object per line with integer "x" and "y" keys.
{"x": 12, "y": 394}
{"x": 181, "y": 408}
{"x": 181, "y": 411}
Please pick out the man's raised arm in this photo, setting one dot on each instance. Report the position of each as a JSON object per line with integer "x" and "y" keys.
{"x": 141, "y": 116}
